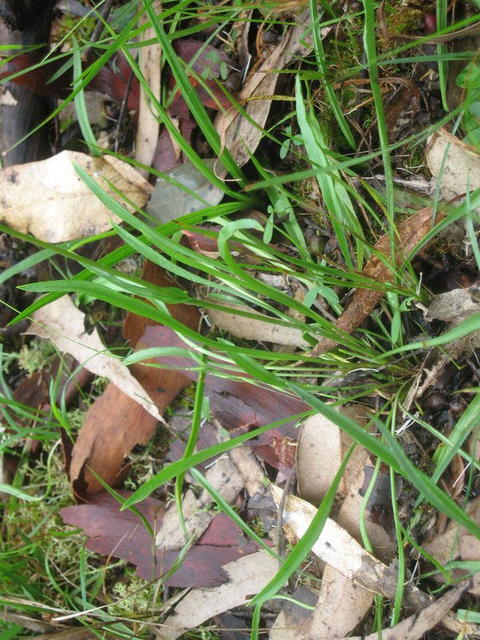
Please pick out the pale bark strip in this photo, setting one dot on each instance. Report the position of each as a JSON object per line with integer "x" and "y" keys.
{"x": 247, "y": 576}
{"x": 416, "y": 626}
{"x": 255, "y": 329}
{"x": 148, "y": 123}
{"x": 338, "y": 548}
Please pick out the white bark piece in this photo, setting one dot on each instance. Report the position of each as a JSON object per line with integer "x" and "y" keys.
{"x": 247, "y": 576}
{"x": 148, "y": 121}
{"x": 64, "y": 325}
{"x": 49, "y": 199}
{"x": 255, "y": 329}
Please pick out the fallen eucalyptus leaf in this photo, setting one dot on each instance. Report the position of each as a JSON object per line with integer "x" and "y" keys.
{"x": 337, "y": 547}
{"x": 241, "y": 135}
{"x": 454, "y": 164}
{"x": 49, "y": 200}
{"x": 414, "y": 627}
{"x": 63, "y": 324}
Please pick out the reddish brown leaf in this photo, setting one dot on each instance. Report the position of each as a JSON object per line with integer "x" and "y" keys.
{"x": 121, "y": 534}
{"x": 207, "y": 58}
{"x": 115, "y": 423}
{"x": 279, "y": 453}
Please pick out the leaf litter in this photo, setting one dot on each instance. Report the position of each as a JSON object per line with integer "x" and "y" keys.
{"x": 226, "y": 569}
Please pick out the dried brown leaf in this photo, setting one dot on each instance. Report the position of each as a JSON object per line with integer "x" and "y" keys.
{"x": 247, "y": 577}
{"x": 49, "y": 200}
{"x": 115, "y": 423}
{"x": 454, "y": 164}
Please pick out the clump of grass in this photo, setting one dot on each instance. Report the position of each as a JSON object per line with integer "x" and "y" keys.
{"x": 356, "y": 218}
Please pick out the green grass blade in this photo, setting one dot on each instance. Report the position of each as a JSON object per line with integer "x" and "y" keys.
{"x": 183, "y": 465}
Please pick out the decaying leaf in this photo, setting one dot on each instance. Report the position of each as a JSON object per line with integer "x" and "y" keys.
{"x": 121, "y": 534}
{"x": 115, "y": 423}
{"x": 64, "y": 325}
{"x": 237, "y": 132}
{"x": 449, "y": 545}
{"x": 247, "y": 577}
{"x": 49, "y": 200}
{"x": 233, "y": 403}
{"x": 222, "y": 476}
{"x": 169, "y": 201}
{"x": 454, "y": 164}
{"x": 339, "y": 549}
{"x": 452, "y": 306}
{"x": 455, "y": 305}
{"x": 409, "y": 232}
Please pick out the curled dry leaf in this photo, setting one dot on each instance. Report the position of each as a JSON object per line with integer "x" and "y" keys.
{"x": 454, "y": 164}
{"x": 337, "y": 547}
{"x": 247, "y": 577}
{"x": 409, "y": 232}
{"x": 64, "y": 325}
{"x": 49, "y": 200}
{"x": 236, "y": 131}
